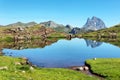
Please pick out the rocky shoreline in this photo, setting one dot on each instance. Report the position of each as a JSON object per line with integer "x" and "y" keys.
{"x": 86, "y": 69}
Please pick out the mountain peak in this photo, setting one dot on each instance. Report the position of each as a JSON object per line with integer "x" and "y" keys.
{"x": 94, "y": 17}
{"x": 68, "y": 26}
{"x": 88, "y": 19}
{"x": 51, "y": 21}
{"x": 51, "y": 24}
{"x": 18, "y": 22}
{"x": 94, "y": 24}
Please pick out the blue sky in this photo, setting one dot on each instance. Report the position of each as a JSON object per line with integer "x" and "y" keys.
{"x": 73, "y": 12}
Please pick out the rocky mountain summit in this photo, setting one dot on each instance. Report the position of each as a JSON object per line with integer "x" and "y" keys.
{"x": 94, "y": 24}
{"x": 51, "y": 24}
{"x": 75, "y": 30}
{"x": 57, "y": 27}
{"x": 48, "y": 24}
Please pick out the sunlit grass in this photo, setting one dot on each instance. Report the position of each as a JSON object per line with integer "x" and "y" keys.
{"x": 109, "y": 68}
{"x": 23, "y": 72}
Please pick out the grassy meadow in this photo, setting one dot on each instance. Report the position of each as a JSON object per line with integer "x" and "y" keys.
{"x": 16, "y": 71}
{"x": 109, "y": 68}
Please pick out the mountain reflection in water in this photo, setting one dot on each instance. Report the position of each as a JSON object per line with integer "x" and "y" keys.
{"x": 40, "y": 44}
{"x": 62, "y": 52}
{"x": 37, "y": 43}
{"x": 93, "y": 44}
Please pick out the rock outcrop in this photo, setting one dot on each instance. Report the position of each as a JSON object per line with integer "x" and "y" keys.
{"x": 75, "y": 30}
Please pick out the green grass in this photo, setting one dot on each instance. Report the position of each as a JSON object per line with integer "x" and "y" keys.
{"x": 93, "y": 35}
{"x": 115, "y": 28}
{"x": 7, "y": 39}
{"x": 109, "y": 68}
{"x": 34, "y": 32}
{"x": 57, "y": 34}
{"x": 15, "y": 72}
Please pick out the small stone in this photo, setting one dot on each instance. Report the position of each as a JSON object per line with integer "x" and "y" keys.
{"x": 80, "y": 68}
{"x": 4, "y": 68}
{"x": 31, "y": 68}
{"x": 17, "y": 63}
{"x": 24, "y": 58}
{"x": 94, "y": 58}
{"x": 30, "y": 78}
{"x": 23, "y": 63}
{"x": 86, "y": 68}
{"x": 23, "y": 71}
{"x": 15, "y": 71}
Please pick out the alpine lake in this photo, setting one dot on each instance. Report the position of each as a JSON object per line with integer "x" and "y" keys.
{"x": 61, "y": 53}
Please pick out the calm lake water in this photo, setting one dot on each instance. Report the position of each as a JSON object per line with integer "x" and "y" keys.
{"x": 66, "y": 53}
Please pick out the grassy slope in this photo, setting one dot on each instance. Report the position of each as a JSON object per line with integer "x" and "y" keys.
{"x": 14, "y": 72}
{"x": 115, "y": 28}
{"x": 35, "y": 32}
{"x": 58, "y": 35}
{"x": 110, "y": 68}
{"x": 92, "y": 35}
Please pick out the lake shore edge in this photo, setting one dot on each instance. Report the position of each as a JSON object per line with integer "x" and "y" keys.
{"x": 32, "y": 67}
{"x": 21, "y": 68}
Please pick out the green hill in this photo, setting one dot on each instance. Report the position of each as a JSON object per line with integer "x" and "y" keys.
{"x": 27, "y": 33}
{"x": 109, "y": 35}
{"x": 105, "y": 33}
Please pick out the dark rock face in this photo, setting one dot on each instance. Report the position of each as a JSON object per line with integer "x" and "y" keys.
{"x": 75, "y": 30}
{"x": 94, "y": 24}
{"x": 68, "y": 26}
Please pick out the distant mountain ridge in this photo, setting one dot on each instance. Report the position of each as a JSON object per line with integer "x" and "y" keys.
{"x": 94, "y": 24}
{"x": 57, "y": 27}
{"x": 51, "y": 24}
{"x": 20, "y": 24}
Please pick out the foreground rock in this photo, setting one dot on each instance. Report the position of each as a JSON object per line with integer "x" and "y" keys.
{"x": 80, "y": 68}
{"x": 26, "y": 72}
{"x": 4, "y": 68}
